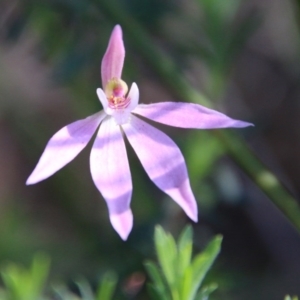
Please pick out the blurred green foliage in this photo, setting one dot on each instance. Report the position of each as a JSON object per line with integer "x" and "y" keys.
{"x": 222, "y": 40}
{"x": 182, "y": 276}
{"x": 105, "y": 291}
{"x": 181, "y": 279}
{"x": 23, "y": 284}
{"x": 178, "y": 276}
{"x": 291, "y": 298}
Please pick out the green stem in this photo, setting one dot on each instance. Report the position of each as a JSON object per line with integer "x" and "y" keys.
{"x": 261, "y": 175}
{"x": 238, "y": 150}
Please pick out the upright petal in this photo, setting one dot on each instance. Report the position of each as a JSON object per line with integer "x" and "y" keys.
{"x": 163, "y": 162}
{"x": 64, "y": 146}
{"x": 187, "y": 115}
{"x": 111, "y": 174}
{"x": 113, "y": 59}
{"x": 133, "y": 97}
{"x": 103, "y": 99}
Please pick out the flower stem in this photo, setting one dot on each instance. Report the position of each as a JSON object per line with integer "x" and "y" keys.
{"x": 261, "y": 175}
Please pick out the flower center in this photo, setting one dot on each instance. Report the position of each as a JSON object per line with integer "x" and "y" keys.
{"x": 116, "y": 90}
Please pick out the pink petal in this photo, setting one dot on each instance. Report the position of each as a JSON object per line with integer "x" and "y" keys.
{"x": 103, "y": 99}
{"x": 163, "y": 162}
{"x": 133, "y": 97}
{"x": 187, "y": 115}
{"x": 113, "y": 59}
{"x": 64, "y": 146}
{"x": 111, "y": 174}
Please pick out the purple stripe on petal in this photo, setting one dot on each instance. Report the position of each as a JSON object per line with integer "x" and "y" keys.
{"x": 111, "y": 175}
{"x": 163, "y": 162}
{"x": 113, "y": 59}
{"x": 187, "y": 115}
{"x": 64, "y": 146}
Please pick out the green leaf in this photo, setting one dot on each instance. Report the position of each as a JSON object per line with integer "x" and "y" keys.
{"x": 39, "y": 273}
{"x": 10, "y": 275}
{"x": 158, "y": 287}
{"x": 166, "y": 252}
{"x": 287, "y": 297}
{"x": 107, "y": 286}
{"x": 186, "y": 284}
{"x": 85, "y": 289}
{"x": 185, "y": 248}
{"x": 63, "y": 294}
{"x": 22, "y": 284}
{"x": 205, "y": 292}
{"x": 154, "y": 294}
{"x": 200, "y": 266}
{"x": 181, "y": 278}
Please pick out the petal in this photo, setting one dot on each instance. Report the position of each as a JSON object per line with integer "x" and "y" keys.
{"x": 113, "y": 59}
{"x": 187, "y": 115}
{"x": 64, "y": 146}
{"x": 133, "y": 97}
{"x": 163, "y": 162}
{"x": 122, "y": 116}
{"x": 103, "y": 99}
{"x": 111, "y": 175}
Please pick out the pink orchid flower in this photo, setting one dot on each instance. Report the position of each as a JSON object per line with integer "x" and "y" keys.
{"x": 109, "y": 165}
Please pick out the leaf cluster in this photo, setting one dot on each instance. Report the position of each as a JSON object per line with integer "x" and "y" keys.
{"x": 29, "y": 284}
{"x": 180, "y": 276}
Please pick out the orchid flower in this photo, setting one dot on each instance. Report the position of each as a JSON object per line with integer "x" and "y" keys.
{"x": 159, "y": 155}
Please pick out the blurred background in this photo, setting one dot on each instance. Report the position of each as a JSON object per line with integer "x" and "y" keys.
{"x": 243, "y": 55}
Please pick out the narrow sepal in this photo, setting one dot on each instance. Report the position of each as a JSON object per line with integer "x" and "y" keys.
{"x": 163, "y": 162}
{"x": 111, "y": 175}
{"x": 187, "y": 115}
{"x": 64, "y": 146}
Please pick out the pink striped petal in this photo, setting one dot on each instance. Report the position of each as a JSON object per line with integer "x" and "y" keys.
{"x": 163, "y": 162}
{"x": 113, "y": 59}
{"x": 64, "y": 146}
{"x": 187, "y": 115}
{"x": 111, "y": 174}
